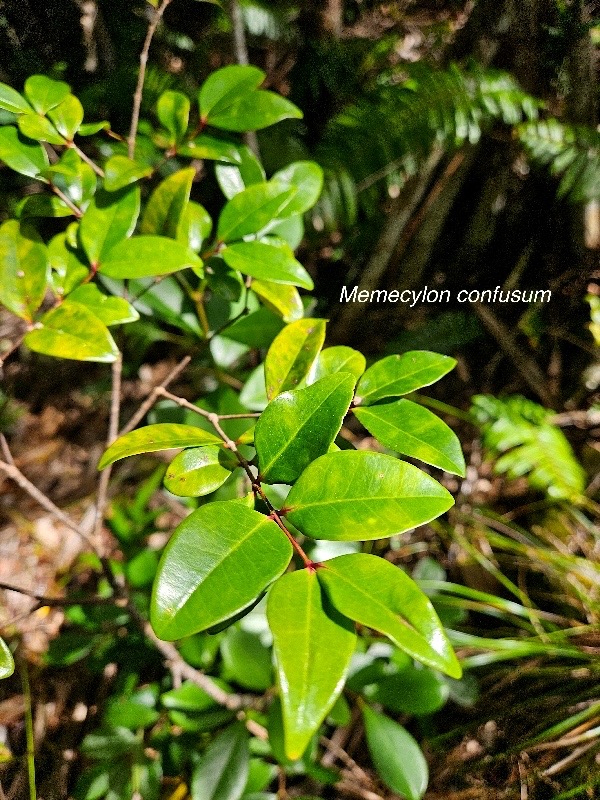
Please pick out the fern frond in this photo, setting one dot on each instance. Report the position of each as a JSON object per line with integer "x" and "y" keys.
{"x": 520, "y": 434}
{"x": 572, "y": 152}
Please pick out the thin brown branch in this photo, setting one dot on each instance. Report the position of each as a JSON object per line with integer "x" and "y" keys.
{"x": 84, "y": 157}
{"x": 154, "y": 395}
{"x": 56, "y": 602}
{"x": 137, "y": 97}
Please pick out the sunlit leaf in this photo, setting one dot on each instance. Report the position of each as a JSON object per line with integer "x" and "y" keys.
{"x": 72, "y": 331}
{"x": 292, "y": 354}
{"x": 152, "y": 438}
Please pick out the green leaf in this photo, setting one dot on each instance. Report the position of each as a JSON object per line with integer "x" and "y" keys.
{"x": 43, "y": 205}
{"x": 379, "y": 595}
{"x": 148, "y": 256}
{"x": 246, "y": 660}
{"x": 307, "y": 178}
{"x": 111, "y": 310}
{"x": 189, "y": 697}
{"x": 299, "y": 426}
{"x": 11, "y": 100}
{"x": 68, "y": 271}
{"x": 125, "y": 713}
{"x": 7, "y": 664}
{"x": 254, "y": 111}
{"x": 90, "y": 128}
{"x": 121, "y": 171}
{"x": 223, "y": 86}
{"x": 164, "y": 213}
{"x": 67, "y": 116}
{"x": 173, "y": 110}
{"x": 234, "y": 178}
{"x": 35, "y": 127}
{"x": 359, "y": 495}
{"x": 194, "y": 227}
{"x": 396, "y": 755}
{"x": 198, "y": 471}
{"x": 152, "y": 438}
{"x": 72, "y": 331}
{"x": 267, "y": 262}
{"x": 291, "y": 355}
{"x": 73, "y": 177}
{"x": 221, "y": 544}
{"x": 45, "y": 93}
{"x": 414, "y": 431}
{"x": 25, "y": 157}
{"x": 410, "y": 691}
{"x": 222, "y": 772}
{"x": 110, "y": 218}
{"x": 252, "y": 210}
{"x": 210, "y": 148}
{"x": 339, "y": 359}
{"x": 281, "y": 298}
{"x": 24, "y": 269}
{"x": 313, "y": 645}
{"x": 397, "y": 375}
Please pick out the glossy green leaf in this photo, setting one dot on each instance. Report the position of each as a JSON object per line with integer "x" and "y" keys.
{"x": 111, "y": 310}
{"x": 339, "y": 359}
{"x": 73, "y": 177}
{"x": 289, "y": 230}
{"x": 359, "y": 495}
{"x": 110, "y": 218}
{"x": 252, "y": 210}
{"x": 222, "y": 772}
{"x": 194, "y": 226}
{"x": 224, "y": 86}
{"x": 164, "y": 212}
{"x": 254, "y": 111}
{"x": 267, "y": 262}
{"x": 152, "y": 438}
{"x": 25, "y": 157}
{"x": 414, "y": 431}
{"x": 281, "y": 298}
{"x": 299, "y": 426}
{"x": 198, "y": 471}
{"x": 381, "y": 596}
{"x": 35, "y": 127}
{"x": 313, "y": 645}
{"x": 234, "y": 178}
{"x": 68, "y": 270}
{"x": 90, "y": 128}
{"x": 396, "y": 755}
{"x": 307, "y": 178}
{"x": 43, "y": 205}
{"x": 210, "y": 148}
{"x": 24, "y": 269}
{"x": 7, "y": 664}
{"x": 410, "y": 691}
{"x": 148, "y": 256}
{"x": 72, "y": 331}
{"x": 11, "y": 100}
{"x": 67, "y": 116}
{"x": 121, "y": 171}
{"x": 221, "y": 544}
{"x": 246, "y": 660}
{"x": 397, "y": 375}
{"x": 173, "y": 110}
{"x": 45, "y": 93}
{"x": 292, "y": 354}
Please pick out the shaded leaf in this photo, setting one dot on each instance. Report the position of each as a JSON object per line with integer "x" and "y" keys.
{"x": 24, "y": 271}
{"x": 291, "y": 355}
{"x": 90, "y": 128}
{"x": 152, "y": 438}
{"x": 72, "y": 331}
{"x": 254, "y": 111}
{"x": 110, "y": 218}
{"x": 410, "y": 691}
{"x": 222, "y": 772}
{"x": 7, "y": 664}
{"x": 68, "y": 270}
{"x": 246, "y": 660}
{"x": 173, "y": 110}
{"x": 198, "y": 471}
{"x": 210, "y": 148}
{"x": 267, "y": 262}
{"x": 148, "y": 256}
{"x": 43, "y": 205}
{"x": 25, "y": 157}
{"x": 234, "y": 178}
{"x": 165, "y": 209}
{"x": 400, "y": 374}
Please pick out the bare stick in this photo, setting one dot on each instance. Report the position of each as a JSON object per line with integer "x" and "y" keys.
{"x": 113, "y": 432}
{"x": 137, "y": 97}
{"x": 154, "y": 395}
{"x": 99, "y": 172}
{"x": 56, "y": 602}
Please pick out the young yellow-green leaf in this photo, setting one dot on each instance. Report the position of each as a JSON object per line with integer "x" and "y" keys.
{"x": 253, "y": 111}
{"x": 111, "y": 310}
{"x": 313, "y": 645}
{"x": 121, "y": 171}
{"x": 72, "y": 331}
{"x": 267, "y": 262}
{"x": 148, "y": 256}
{"x": 414, "y": 431}
{"x": 7, "y": 664}
{"x": 210, "y": 148}
{"x": 379, "y": 595}
{"x": 217, "y": 562}
{"x": 299, "y": 426}
{"x": 222, "y": 771}
{"x": 307, "y": 177}
{"x": 339, "y": 359}
{"x": 397, "y": 375}
{"x": 291, "y": 355}
{"x": 223, "y": 86}
{"x": 358, "y": 495}
{"x": 234, "y": 178}
{"x": 24, "y": 269}
{"x": 68, "y": 270}
{"x": 11, "y": 100}
{"x": 194, "y": 227}
{"x": 281, "y": 298}
{"x": 252, "y": 210}
{"x": 173, "y": 110}
{"x": 396, "y": 755}
{"x": 152, "y": 438}
{"x": 45, "y": 93}
{"x": 110, "y": 218}
{"x": 67, "y": 116}
{"x": 25, "y": 157}
{"x": 35, "y": 127}
{"x": 164, "y": 211}
{"x": 198, "y": 471}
